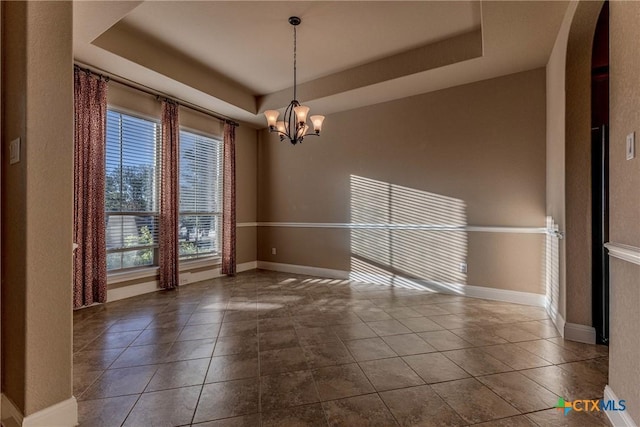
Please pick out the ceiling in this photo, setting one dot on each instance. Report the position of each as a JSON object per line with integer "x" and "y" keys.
{"x": 236, "y": 57}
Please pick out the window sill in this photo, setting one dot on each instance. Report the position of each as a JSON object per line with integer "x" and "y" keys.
{"x": 152, "y": 272}
{"x": 127, "y": 276}
{"x": 192, "y": 264}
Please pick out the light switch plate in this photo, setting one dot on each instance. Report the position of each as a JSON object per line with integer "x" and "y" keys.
{"x": 14, "y": 151}
{"x": 631, "y": 145}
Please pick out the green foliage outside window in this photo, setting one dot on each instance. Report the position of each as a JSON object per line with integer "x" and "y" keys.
{"x": 133, "y": 258}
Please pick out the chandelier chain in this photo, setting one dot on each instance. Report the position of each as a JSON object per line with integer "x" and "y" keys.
{"x": 295, "y": 71}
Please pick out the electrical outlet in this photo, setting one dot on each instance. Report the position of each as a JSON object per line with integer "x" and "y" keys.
{"x": 273, "y": 251}
{"x": 463, "y": 267}
{"x": 185, "y": 278}
{"x": 631, "y": 145}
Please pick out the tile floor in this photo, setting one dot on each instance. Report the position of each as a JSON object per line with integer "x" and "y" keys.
{"x": 276, "y": 349}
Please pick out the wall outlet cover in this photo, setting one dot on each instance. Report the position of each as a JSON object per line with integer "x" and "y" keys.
{"x": 185, "y": 278}
{"x": 631, "y": 145}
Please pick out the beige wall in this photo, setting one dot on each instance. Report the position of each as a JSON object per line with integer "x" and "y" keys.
{"x": 38, "y": 204}
{"x": 14, "y": 206}
{"x": 137, "y": 102}
{"x": 473, "y": 154}
{"x": 625, "y": 106}
{"x": 624, "y": 369}
{"x": 624, "y": 347}
{"x": 556, "y": 150}
{"x": 246, "y": 192}
{"x": 578, "y": 163}
{"x": 1, "y": 167}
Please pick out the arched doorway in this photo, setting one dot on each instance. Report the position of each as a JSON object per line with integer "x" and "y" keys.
{"x": 600, "y": 175}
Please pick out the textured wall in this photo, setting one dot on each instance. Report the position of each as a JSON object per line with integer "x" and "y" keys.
{"x": 13, "y": 205}
{"x": 473, "y": 154}
{"x": 556, "y": 144}
{"x": 624, "y": 369}
{"x": 37, "y": 227}
{"x": 624, "y": 347}
{"x": 625, "y": 106}
{"x": 246, "y": 190}
{"x": 578, "y": 163}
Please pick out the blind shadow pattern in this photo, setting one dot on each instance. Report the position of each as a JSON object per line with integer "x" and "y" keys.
{"x": 406, "y": 237}
{"x": 552, "y": 268}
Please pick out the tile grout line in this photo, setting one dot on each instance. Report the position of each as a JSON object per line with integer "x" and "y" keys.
{"x": 338, "y": 304}
{"x": 204, "y": 380}
{"x": 144, "y": 388}
{"x": 259, "y": 364}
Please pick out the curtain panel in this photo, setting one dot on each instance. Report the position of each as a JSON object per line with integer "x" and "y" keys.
{"x": 89, "y": 259}
{"x": 229, "y": 201}
{"x": 168, "y": 236}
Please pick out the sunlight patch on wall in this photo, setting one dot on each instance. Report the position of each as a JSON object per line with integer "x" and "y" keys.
{"x": 552, "y": 268}
{"x": 406, "y": 237}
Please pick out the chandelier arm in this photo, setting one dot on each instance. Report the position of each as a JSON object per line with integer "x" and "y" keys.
{"x": 294, "y": 138}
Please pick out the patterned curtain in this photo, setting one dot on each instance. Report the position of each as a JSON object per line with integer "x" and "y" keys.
{"x": 90, "y": 257}
{"x": 229, "y": 202}
{"x": 168, "y": 243}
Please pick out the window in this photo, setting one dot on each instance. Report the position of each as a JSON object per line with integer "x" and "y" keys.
{"x": 131, "y": 190}
{"x": 132, "y": 175}
{"x": 200, "y": 195}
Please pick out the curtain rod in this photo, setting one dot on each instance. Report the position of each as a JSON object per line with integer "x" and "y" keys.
{"x": 159, "y": 95}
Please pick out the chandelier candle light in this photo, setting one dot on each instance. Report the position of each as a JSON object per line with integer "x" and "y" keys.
{"x": 294, "y": 126}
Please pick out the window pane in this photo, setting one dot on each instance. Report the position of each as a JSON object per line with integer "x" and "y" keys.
{"x": 131, "y": 163}
{"x": 207, "y": 237}
{"x": 129, "y": 259}
{"x": 137, "y": 258}
{"x": 131, "y": 167}
{"x": 114, "y": 261}
{"x": 200, "y": 194}
{"x": 125, "y": 231}
{"x": 198, "y": 235}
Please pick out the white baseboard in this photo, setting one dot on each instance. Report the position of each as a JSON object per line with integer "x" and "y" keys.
{"x": 132, "y": 290}
{"x": 556, "y": 318}
{"x": 303, "y": 269}
{"x": 11, "y": 416}
{"x": 246, "y": 266}
{"x": 579, "y": 333}
{"x": 152, "y": 285}
{"x": 504, "y": 295}
{"x": 62, "y": 414}
{"x": 617, "y": 418}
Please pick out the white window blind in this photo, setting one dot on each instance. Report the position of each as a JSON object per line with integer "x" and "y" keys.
{"x": 200, "y": 195}
{"x": 131, "y": 190}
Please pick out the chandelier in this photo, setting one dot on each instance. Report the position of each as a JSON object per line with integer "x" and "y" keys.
{"x": 294, "y": 127}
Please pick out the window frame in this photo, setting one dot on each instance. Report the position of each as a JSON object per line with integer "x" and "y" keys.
{"x": 137, "y": 271}
{"x": 216, "y": 257}
{"x": 123, "y": 275}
